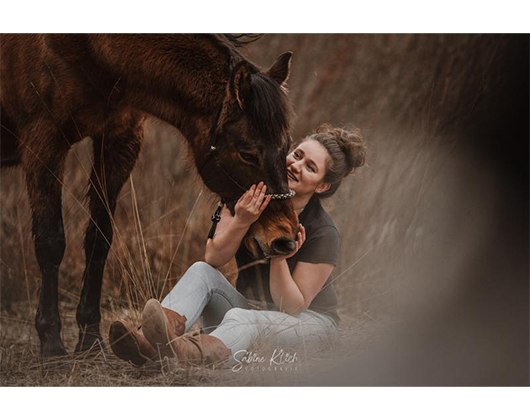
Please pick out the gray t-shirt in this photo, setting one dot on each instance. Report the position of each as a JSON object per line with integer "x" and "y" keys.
{"x": 322, "y": 245}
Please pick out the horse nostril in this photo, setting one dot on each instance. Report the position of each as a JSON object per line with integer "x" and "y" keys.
{"x": 283, "y": 246}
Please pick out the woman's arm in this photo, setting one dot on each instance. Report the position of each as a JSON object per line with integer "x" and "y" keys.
{"x": 294, "y": 293}
{"x": 232, "y": 229}
{"x": 223, "y": 246}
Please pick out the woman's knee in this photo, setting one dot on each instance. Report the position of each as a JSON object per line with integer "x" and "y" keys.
{"x": 201, "y": 267}
{"x": 202, "y": 270}
{"x": 209, "y": 275}
{"x": 239, "y": 315}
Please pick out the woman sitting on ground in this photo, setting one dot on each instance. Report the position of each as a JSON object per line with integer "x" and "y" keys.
{"x": 300, "y": 299}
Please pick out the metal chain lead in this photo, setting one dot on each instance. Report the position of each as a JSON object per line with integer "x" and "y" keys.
{"x": 283, "y": 196}
{"x": 217, "y": 215}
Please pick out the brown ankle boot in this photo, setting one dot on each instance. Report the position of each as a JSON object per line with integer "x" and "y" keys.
{"x": 189, "y": 350}
{"x": 196, "y": 350}
{"x": 129, "y": 343}
{"x": 176, "y": 321}
{"x": 170, "y": 323}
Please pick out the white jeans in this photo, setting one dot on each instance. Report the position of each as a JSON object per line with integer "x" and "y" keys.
{"x": 228, "y": 315}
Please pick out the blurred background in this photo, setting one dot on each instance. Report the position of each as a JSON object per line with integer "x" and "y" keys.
{"x": 433, "y": 272}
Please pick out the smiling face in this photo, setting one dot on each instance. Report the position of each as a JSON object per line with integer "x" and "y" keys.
{"x": 306, "y": 168}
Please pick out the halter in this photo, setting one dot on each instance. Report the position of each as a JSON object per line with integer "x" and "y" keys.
{"x": 212, "y": 157}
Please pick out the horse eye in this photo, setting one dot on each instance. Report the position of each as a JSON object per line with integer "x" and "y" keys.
{"x": 249, "y": 158}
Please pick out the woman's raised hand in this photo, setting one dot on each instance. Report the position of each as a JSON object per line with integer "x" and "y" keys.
{"x": 251, "y": 204}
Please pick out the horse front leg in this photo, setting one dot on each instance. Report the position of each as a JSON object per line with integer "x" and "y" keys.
{"x": 43, "y": 167}
{"x": 115, "y": 153}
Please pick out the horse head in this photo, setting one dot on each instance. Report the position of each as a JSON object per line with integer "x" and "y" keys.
{"x": 248, "y": 142}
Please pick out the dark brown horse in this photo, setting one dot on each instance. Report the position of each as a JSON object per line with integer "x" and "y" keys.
{"x": 58, "y": 89}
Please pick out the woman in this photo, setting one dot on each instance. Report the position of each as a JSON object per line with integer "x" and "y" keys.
{"x": 301, "y": 304}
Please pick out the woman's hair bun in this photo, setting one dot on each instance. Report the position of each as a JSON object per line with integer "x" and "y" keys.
{"x": 346, "y": 150}
{"x": 351, "y": 144}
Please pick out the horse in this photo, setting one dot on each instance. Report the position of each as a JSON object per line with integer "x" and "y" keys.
{"x": 57, "y": 89}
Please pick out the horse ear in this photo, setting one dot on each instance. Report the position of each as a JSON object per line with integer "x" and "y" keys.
{"x": 279, "y": 71}
{"x": 240, "y": 82}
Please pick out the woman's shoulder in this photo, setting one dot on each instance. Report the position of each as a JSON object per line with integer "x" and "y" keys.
{"x": 323, "y": 240}
{"x": 318, "y": 218}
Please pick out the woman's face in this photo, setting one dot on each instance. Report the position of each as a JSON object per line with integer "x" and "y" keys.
{"x": 306, "y": 168}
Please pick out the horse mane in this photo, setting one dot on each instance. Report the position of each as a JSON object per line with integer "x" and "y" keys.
{"x": 268, "y": 108}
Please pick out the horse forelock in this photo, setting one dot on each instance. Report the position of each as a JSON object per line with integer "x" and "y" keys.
{"x": 268, "y": 110}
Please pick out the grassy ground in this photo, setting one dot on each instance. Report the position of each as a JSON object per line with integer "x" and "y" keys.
{"x": 20, "y": 364}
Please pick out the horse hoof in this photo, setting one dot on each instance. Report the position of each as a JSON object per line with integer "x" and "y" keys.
{"x": 89, "y": 343}
{"x": 53, "y": 350}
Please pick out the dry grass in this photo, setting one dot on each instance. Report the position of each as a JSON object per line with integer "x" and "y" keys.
{"x": 20, "y": 364}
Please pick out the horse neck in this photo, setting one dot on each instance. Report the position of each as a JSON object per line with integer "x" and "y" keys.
{"x": 180, "y": 79}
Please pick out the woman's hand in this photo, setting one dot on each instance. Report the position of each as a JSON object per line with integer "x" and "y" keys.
{"x": 251, "y": 204}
